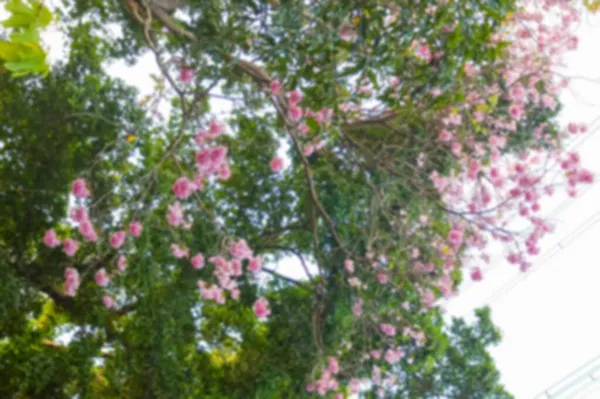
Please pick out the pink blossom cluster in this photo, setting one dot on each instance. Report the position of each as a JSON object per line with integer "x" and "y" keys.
{"x": 226, "y": 271}
{"x": 79, "y": 214}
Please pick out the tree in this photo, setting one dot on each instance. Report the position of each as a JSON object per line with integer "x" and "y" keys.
{"x": 410, "y": 148}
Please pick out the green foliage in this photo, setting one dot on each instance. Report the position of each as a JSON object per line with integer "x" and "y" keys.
{"x": 23, "y": 54}
{"x": 163, "y": 341}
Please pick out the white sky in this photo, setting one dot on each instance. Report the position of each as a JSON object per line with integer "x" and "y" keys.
{"x": 548, "y": 319}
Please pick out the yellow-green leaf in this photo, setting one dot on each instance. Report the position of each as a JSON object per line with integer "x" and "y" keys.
{"x": 29, "y": 35}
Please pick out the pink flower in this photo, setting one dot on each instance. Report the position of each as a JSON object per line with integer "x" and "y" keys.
{"x": 445, "y": 136}
{"x": 346, "y": 32}
{"x": 295, "y": 97}
{"x": 393, "y": 356}
{"x": 275, "y": 87}
{"x": 87, "y": 231}
{"x": 50, "y": 239}
{"x": 201, "y": 136}
{"x": 108, "y": 301}
{"x": 428, "y": 298}
{"x": 218, "y": 155}
{"x": 216, "y": 128}
{"x": 79, "y": 214}
{"x": 455, "y": 237}
{"x": 117, "y": 239}
{"x": 354, "y": 282}
{"x": 186, "y": 74}
{"x": 476, "y": 274}
{"x": 382, "y": 278}
{"x": 548, "y": 101}
{"x": 388, "y": 329}
{"x": 333, "y": 365}
{"x": 236, "y": 267}
{"x": 70, "y": 246}
{"x": 435, "y": 92}
{"x": 276, "y": 164}
{"x": 357, "y": 307}
{"x": 354, "y": 385}
{"x": 135, "y": 228}
{"x": 235, "y": 294}
{"x": 71, "y": 281}
{"x": 175, "y": 214}
{"x": 303, "y": 128}
{"x": 255, "y": 264}
{"x": 515, "y": 111}
{"x": 241, "y": 250}
{"x": 179, "y": 252}
{"x": 308, "y": 150}
{"x": 79, "y": 189}
{"x": 261, "y": 308}
{"x": 203, "y": 160}
{"x": 295, "y": 113}
{"x": 183, "y": 187}
{"x": 224, "y": 172}
{"x": 349, "y": 265}
{"x": 122, "y": 263}
{"x": 197, "y": 261}
{"x": 102, "y": 278}
{"x": 424, "y": 53}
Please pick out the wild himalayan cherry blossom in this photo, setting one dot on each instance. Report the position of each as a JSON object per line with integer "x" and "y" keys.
{"x": 349, "y": 265}
{"x": 71, "y": 281}
{"x": 209, "y": 160}
{"x": 357, "y": 307}
{"x": 183, "y": 188}
{"x": 211, "y": 293}
{"x": 79, "y": 214}
{"x": 117, "y": 239}
{"x": 388, "y": 329}
{"x": 295, "y": 97}
{"x": 276, "y": 164}
{"x": 333, "y": 366}
{"x": 86, "y": 229}
{"x": 476, "y": 274}
{"x": 241, "y": 250}
{"x": 255, "y": 264}
{"x": 102, "y": 278}
{"x": 122, "y": 263}
{"x": 275, "y": 87}
{"x": 79, "y": 189}
{"x": 261, "y": 308}
{"x": 70, "y": 246}
{"x": 108, "y": 301}
{"x": 186, "y": 74}
{"x": 135, "y": 228}
{"x": 347, "y": 32}
{"x": 197, "y": 261}
{"x": 50, "y": 239}
{"x": 175, "y": 214}
{"x": 180, "y": 252}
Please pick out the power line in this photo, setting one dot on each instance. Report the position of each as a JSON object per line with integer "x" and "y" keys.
{"x": 575, "y": 377}
{"x": 580, "y": 230}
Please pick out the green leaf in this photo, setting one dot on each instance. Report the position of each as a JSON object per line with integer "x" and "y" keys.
{"x": 9, "y": 51}
{"x": 19, "y": 21}
{"x": 44, "y": 16}
{"x": 312, "y": 124}
{"x": 29, "y": 35}
{"x": 18, "y": 7}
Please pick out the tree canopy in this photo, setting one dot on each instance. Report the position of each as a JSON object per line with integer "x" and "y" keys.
{"x": 381, "y": 145}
